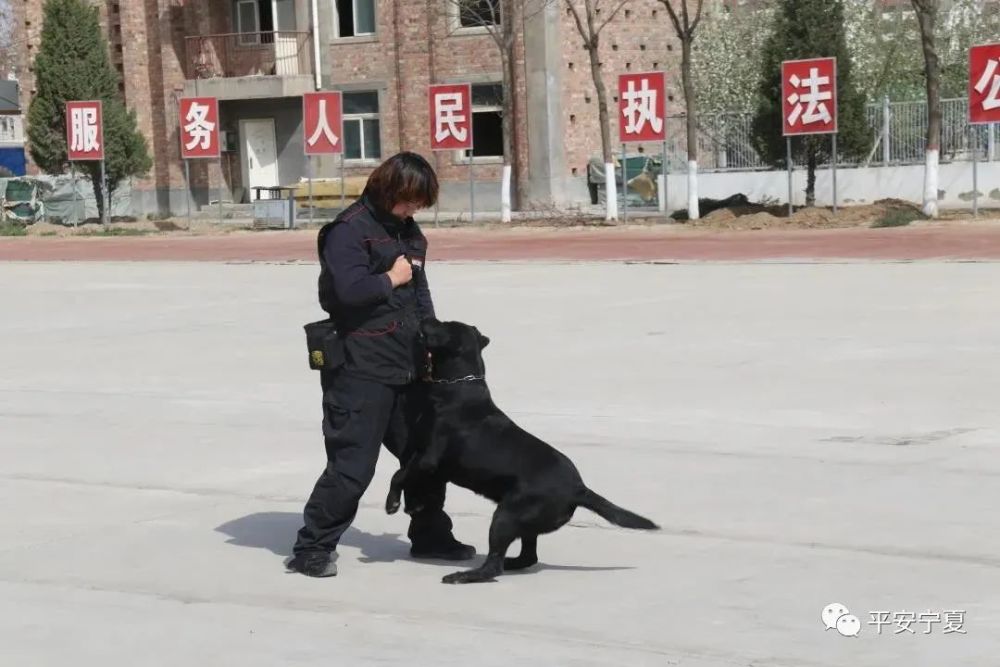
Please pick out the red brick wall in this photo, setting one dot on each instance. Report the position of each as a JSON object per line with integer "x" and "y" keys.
{"x": 27, "y": 23}
{"x": 144, "y": 82}
{"x": 153, "y": 59}
{"x": 449, "y": 55}
{"x": 641, "y": 38}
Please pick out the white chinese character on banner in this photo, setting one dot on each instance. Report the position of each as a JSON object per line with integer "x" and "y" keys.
{"x": 446, "y": 111}
{"x": 953, "y": 622}
{"x": 199, "y": 128}
{"x": 323, "y": 127}
{"x": 814, "y": 100}
{"x": 640, "y": 107}
{"x": 990, "y": 78}
{"x": 83, "y": 121}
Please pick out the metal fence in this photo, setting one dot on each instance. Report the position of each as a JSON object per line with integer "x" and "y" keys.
{"x": 277, "y": 53}
{"x": 899, "y": 137}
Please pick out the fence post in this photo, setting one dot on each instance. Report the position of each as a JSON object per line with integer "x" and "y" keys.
{"x": 886, "y": 152}
{"x": 661, "y": 181}
{"x": 991, "y": 142}
{"x": 625, "y": 186}
{"x": 788, "y": 143}
{"x": 975, "y": 170}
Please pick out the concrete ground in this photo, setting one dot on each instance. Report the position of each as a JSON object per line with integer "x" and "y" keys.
{"x": 805, "y": 434}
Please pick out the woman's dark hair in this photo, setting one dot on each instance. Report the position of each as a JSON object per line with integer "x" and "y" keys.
{"x": 405, "y": 177}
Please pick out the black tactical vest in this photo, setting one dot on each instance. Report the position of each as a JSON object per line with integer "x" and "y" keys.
{"x": 382, "y": 341}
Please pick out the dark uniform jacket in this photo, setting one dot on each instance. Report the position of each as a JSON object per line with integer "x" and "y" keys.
{"x": 378, "y": 325}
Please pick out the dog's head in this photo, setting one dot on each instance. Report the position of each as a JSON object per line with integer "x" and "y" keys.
{"x": 456, "y": 348}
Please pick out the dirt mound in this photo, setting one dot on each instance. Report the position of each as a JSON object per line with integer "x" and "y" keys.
{"x": 119, "y": 227}
{"x": 760, "y": 216}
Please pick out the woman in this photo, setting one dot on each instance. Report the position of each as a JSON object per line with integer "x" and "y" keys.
{"x": 373, "y": 285}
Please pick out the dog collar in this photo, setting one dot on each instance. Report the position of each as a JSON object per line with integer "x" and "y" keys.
{"x": 467, "y": 378}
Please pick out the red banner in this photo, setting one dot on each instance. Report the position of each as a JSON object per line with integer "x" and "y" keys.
{"x": 85, "y": 130}
{"x": 199, "y": 118}
{"x": 642, "y": 107}
{"x": 984, "y": 84}
{"x": 809, "y": 96}
{"x": 323, "y": 124}
{"x": 451, "y": 117}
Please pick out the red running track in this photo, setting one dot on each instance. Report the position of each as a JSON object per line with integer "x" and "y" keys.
{"x": 943, "y": 242}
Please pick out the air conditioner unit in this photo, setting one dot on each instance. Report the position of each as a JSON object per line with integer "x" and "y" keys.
{"x": 228, "y": 141}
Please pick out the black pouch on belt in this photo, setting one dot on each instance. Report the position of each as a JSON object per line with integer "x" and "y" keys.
{"x": 326, "y": 348}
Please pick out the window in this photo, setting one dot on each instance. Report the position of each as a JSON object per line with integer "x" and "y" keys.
{"x": 254, "y": 17}
{"x": 7, "y": 129}
{"x": 355, "y": 18}
{"x": 362, "y": 131}
{"x": 477, "y": 13}
{"x": 487, "y": 120}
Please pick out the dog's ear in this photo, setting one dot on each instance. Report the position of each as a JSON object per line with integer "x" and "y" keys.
{"x": 435, "y": 333}
{"x": 483, "y": 340}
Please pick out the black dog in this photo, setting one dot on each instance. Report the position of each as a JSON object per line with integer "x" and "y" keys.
{"x": 465, "y": 439}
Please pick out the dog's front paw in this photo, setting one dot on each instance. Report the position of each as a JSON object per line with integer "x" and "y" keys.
{"x": 467, "y": 577}
{"x": 392, "y": 504}
{"x": 415, "y": 508}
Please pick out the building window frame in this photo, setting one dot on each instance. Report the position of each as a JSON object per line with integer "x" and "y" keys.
{"x": 463, "y": 156}
{"x": 247, "y": 37}
{"x": 357, "y": 36}
{"x": 360, "y": 119}
{"x": 455, "y": 20}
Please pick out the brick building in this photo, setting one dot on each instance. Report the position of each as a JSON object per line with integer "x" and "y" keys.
{"x": 259, "y": 56}
{"x": 11, "y": 131}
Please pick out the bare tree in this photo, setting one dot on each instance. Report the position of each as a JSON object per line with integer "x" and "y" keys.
{"x": 586, "y": 14}
{"x": 927, "y": 14}
{"x": 685, "y": 25}
{"x": 500, "y": 20}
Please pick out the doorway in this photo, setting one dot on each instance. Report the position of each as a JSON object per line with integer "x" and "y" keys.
{"x": 260, "y": 154}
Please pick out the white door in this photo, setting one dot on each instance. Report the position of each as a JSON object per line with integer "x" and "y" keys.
{"x": 260, "y": 154}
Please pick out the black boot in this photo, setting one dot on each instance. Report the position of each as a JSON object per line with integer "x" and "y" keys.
{"x": 431, "y": 537}
{"x": 313, "y": 564}
{"x": 444, "y": 548}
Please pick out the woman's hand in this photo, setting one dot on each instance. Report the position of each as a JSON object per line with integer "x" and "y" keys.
{"x": 401, "y": 272}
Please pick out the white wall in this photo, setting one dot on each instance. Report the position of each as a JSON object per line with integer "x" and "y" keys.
{"x": 854, "y": 186}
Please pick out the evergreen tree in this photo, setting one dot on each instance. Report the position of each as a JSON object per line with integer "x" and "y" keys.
{"x": 809, "y": 29}
{"x": 73, "y": 64}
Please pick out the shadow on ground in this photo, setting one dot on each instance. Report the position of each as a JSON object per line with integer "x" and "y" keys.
{"x": 275, "y": 531}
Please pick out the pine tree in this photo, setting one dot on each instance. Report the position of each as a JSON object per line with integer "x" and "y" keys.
{"x": 809, "y": 29}
{"x": 73, "y": 64}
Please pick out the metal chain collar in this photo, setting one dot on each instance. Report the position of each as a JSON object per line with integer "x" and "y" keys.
{"x": 467, "y": 378}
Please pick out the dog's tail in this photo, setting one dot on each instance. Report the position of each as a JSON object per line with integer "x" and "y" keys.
{"x": 611, "y": 512}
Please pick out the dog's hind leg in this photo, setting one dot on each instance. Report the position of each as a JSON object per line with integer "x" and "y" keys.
{"x": 528, "y": 557}
{"x": 504, "y": 530}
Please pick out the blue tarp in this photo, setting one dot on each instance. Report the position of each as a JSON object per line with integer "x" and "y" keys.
{"x": 13, "y": 159}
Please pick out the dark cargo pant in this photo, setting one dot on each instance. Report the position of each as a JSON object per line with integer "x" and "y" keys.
{"x": 358, "y": 417}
